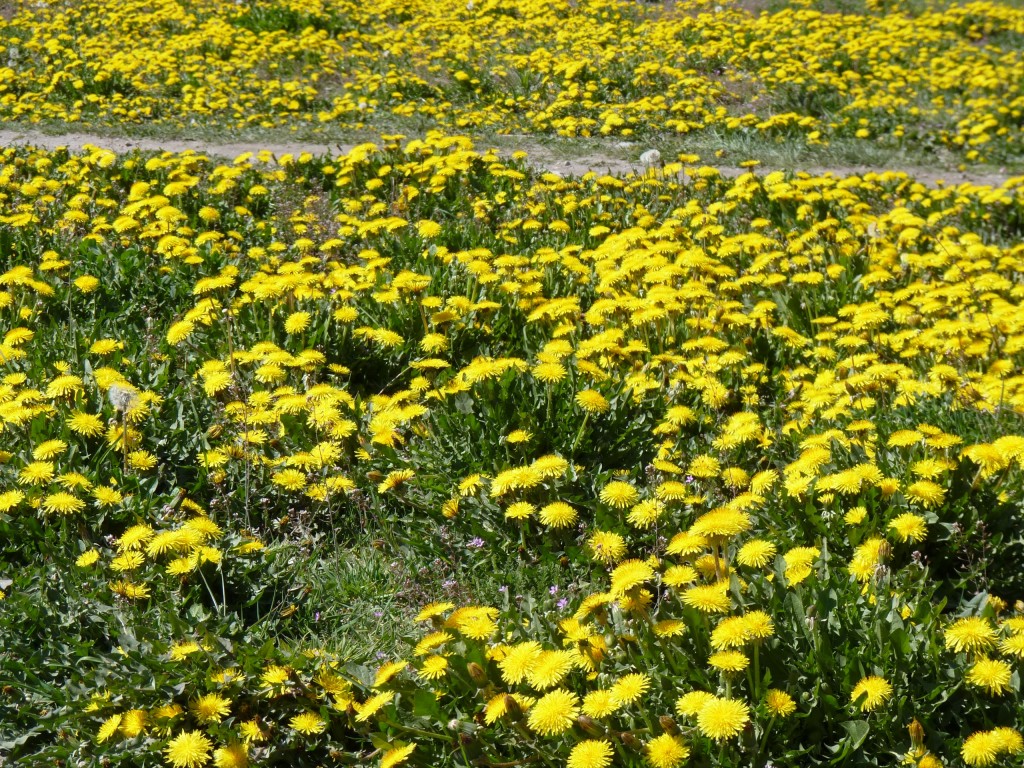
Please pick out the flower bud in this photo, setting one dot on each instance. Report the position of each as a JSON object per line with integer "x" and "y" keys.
{"x": 916, "y": 733}
{"x": 477, "y": 674}
{"x": 631, "y": 741}
{"x": 589, "y": 726}
{"x": 462, "y": 727}
{"x": 513, "y": 711}
{"x": 668, "y": 725}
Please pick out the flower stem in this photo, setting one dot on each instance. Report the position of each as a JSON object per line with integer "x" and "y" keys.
{"x": 757, "y": 671}
{"x": 579, "y": 434}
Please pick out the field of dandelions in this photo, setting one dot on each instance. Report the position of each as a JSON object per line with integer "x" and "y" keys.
{"x": 419, "y": 455}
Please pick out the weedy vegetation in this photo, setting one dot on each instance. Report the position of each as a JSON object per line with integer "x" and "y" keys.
{"x": 419, "y": 456}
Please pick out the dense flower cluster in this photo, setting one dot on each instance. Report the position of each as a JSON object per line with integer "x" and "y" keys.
{"x": 930, "y": 76}
{"x": 767, "y": 424}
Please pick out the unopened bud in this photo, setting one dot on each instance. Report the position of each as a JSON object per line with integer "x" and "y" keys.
{"x": 589, "y": 726}
{"x": 462, "y": 727}
{"x": 512, "y": 708}
{"x": 668, "y": 725}
{"x": 916, "y": 733}
{"x": 477, "y": 674}
{"x": 631, "y": 741}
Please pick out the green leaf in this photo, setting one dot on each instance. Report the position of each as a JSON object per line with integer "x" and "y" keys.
{"x": 424, "y": 704}
{"x": 856, "y": 732}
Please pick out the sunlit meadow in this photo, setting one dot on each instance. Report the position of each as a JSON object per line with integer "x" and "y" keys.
{"x": 881, "y": 75}
{"x": 420, "y": 456}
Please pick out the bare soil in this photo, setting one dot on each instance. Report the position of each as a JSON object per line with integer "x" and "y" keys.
{"x": 611, "y": 162}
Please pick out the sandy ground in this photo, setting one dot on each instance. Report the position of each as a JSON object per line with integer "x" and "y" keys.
{"x": 538, "y": 156}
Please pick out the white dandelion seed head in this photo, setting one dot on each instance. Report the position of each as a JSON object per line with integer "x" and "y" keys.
{"x": 122, "y": 398}
{"x": 650, "y": 157}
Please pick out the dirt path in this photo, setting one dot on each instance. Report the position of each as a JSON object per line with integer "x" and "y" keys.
{"x": 538, "y": 156}
{"x": 75, "y": 141}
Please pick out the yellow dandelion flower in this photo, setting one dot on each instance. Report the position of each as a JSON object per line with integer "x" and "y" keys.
{"x": 106, "y": 496}
{"x": 721, "y": 523}
{"x": 49, "y": 449}
{"x": 108, "y": 728}
{"x": 210, "y": 708}
{"x": 296, "y": 322}
{"x": 521, "y": 510}
{"x": 62, "y": 503}
{"x": 388, "y": 671}
{"x": 871, "y": 692}
{"x": 251, "y": 731}
{"x": 985, "y": 747}
{"x": 690, "y": 704}
{"x": 618, "y": 494}
{"x": 127, "y": 561}
{"x": 592, "y": 753}
{"x": 289, "y": 479}
{"x": 630, "y": 574}
{"x": 909, "y": 527}
{"x": 133, "y": 722}
{"x": 798, "y": 563}
{"x": 431, "y": 641}
{"x": 233, "y": 755}
{"x": 189, "y": 749}
{"x": 729, "y": 661}
{"x": 308, "y": 723}
{"x": 396, "y": 756}
{"x": 141, "y": 460}
{"x": 629, "y": 688}
{"x": 607, "y": 547}
{"x": 970, "y": 635}
{"x": 518, "y": 661}
{"x": 549, "y": 668}
{"x": 756, "y": 553}
{"x": 36, "y": 473}
{"x": 679, "y": 575}
{"x": 129, "y": 590}
{"x": 759, "y": 625}
{"x": 1013, "y": 646}
{"x": 721, "y": 718}
{"x": 87, "y": 558}
{"x": 550, "y": 373}
{"x": 434, "y": 667}
{"x": 779, "y": 703}
{"x": 855, "y": 516}
{"x": 670, "y": 628}
{"x": 599, "y": 703}
{"x": 558, "y": 514}
{"x": 10, "y": 499}
{"x": 86, "y": 424}
{"x": 705, "y": 466}
{"x": 592, "y": 401}
{"x": 646, "y": 513}
{"x": 991, "y": 674}
{"x": 666, "y": 751}
{"x": 554, "y": 713}
{"x": 925, "y": 491}
{"x": 433, "y": 609}
{"x": 686, "y": 543}
{"x": 709, "y": 598}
